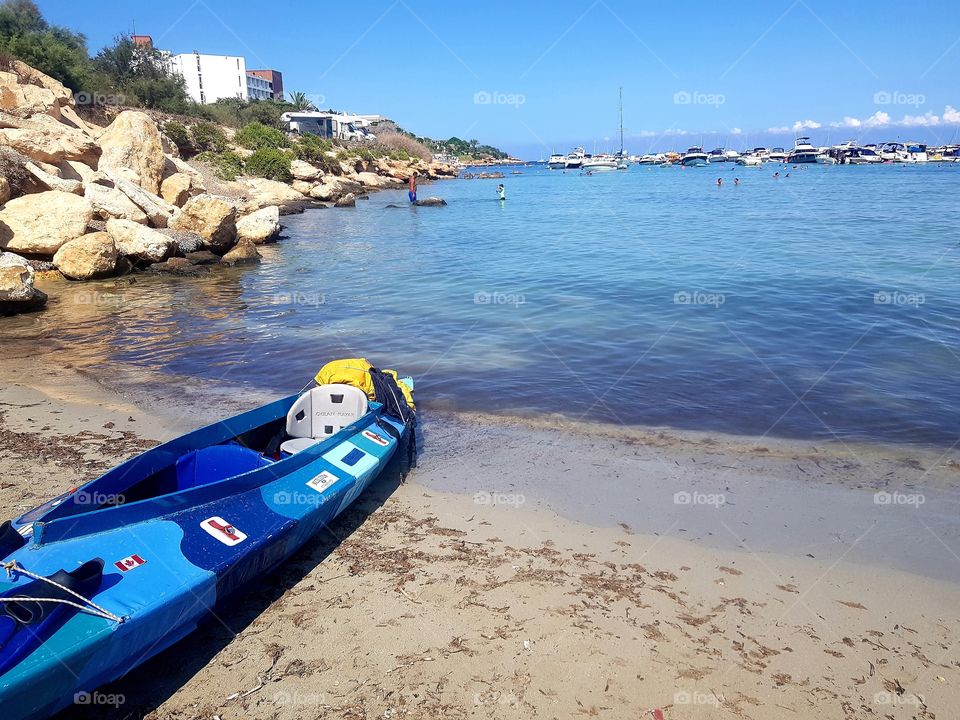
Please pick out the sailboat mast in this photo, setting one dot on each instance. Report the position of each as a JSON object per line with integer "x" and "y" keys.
{"x": 621, "y": 121}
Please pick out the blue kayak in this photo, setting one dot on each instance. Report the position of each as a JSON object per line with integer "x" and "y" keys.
{"x": 99, "y": 580}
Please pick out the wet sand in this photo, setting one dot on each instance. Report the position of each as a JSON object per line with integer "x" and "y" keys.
{"x": 541, "y": 569}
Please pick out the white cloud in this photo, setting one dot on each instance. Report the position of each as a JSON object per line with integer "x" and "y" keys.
{"x": 737, "y": 131}
{"x": 951, "y": 116}
{"x": 778, "y": 130}
{"x": 878, "y": 119}
{"x": 805, "y": 125}
{"x": 928, "y": 119}
{"x": 847, "y": 122}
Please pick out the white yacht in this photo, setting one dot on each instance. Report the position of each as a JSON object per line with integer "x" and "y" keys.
{"x": 599, "y": 163}
{"x": 750, "y": 160}
{"x": 778, "y": 154}
{"x": 574, "y": 159}
{"x": 803, "y": 152}
{"x": 694, "y": 157}
{"x": 915, "y": 153}
{"x": 557, "y": 161}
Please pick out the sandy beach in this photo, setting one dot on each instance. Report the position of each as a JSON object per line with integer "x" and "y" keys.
{"x": 476, "y": 589}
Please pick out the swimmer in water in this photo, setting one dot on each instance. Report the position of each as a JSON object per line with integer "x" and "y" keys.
{"x": 776, "y": 176}
{"x": 719, "y": 182}
{"x": 502, "y": 192}
{"x": 736, "y": 182}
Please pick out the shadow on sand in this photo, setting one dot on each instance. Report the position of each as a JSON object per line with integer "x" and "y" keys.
{"x": 146, "y": 687}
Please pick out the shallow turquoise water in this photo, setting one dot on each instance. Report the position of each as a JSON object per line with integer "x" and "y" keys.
{"x": 820, "y": 305}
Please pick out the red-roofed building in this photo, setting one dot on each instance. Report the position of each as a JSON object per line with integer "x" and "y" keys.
{"x": 274, "y": 77}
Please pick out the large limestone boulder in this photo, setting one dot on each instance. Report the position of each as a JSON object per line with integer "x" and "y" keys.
{"x": 348, "y": 200}
{"x": 265, "y": 192}
{"x": 158, "y": 211}
{"x": 243, "y": 252}
{"x": 25, "y": 100}
{"x": 49, "y": 181}
{"x": 44, "y": 139}
{"x": 17, "y": 292}
{"x": 109, "y": 203}
{"x": 132, "y": 141}
{"x": 76, "y": 170}
{"x": 139, "y": 243}
{"x": 305, "y": 171}
{"x": 175, "y": 189}
{"x": 214, "y": 219}
{"x": 88, "y": 257}
{"x": 260, "y": 226}
{"x": 373, "y": 180}
{"x": 39, "y": 224}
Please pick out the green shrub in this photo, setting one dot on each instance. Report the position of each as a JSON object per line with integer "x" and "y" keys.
{"x": 180, "y": 136}
{"x": 226, "y": 165}
{"x": 256, "y": 136}
{"x": 269, "y": 163}
{"x": 207, "y": 137}
{"x": 312, "y": 149}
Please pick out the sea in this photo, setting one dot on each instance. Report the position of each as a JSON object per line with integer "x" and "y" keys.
{"x": 822, "y": 303}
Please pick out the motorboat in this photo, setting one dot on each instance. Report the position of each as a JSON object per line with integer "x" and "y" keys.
{"x": 574, "y": 159}
{"x": 803, "y": 152}
{"x": 694, "y": 157}
{"x": 599, "y": 163}
{"x": 557, "y": 161}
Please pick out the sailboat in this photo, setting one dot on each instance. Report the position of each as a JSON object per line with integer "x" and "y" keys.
{"x": 620, "y": 157}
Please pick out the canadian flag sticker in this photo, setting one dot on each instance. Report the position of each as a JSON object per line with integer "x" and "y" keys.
{"x": 223, "y": 531}
{"x": 129, "y": 563}
{"x": 378, "y": 439}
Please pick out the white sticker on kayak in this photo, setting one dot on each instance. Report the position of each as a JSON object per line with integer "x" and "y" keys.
{"x": 223, "y": 531}
{"x": 378, "y": 439}
{"x": 322, "y": 481}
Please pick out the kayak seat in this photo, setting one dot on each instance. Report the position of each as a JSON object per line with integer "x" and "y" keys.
{"x": 321, "y": 412}
{"x": 216, "y": 462}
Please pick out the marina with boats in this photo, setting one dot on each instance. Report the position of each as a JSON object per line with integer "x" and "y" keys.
{"x": 802, "y": 152}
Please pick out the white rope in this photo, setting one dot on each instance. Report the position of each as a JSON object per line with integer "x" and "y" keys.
{"x": 89, "y": 605}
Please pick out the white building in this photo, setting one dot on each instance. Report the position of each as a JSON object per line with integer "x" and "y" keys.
{"x": 212, "y": 77}
{"x": 259, "y": 88}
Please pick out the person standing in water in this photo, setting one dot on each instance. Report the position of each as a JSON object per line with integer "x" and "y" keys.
{"x": 502, "y": 192}
{"x": 412, "y": 192}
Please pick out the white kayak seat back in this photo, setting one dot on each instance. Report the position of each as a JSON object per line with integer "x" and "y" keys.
{"x": 323, "y": 411}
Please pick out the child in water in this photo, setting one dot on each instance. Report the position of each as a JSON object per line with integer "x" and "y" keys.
{"x": 501, "y": 191}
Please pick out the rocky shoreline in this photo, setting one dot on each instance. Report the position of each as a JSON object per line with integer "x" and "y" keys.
{"x": 89, "y": 202}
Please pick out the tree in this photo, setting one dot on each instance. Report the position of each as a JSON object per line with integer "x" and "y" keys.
{"x": 301, "y": 103}
{"x": 56, "y": 51}
{"x": 143, "y": 74}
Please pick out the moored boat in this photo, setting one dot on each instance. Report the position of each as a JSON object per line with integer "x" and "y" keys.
{"x": 599, "y": 163}
{"x": 803, "y": 152}
{"x": 108, "y": 575}
{"x": 694, "y": 157}
{"x": 557, "y": 162}
{"x": 574, "y": 159}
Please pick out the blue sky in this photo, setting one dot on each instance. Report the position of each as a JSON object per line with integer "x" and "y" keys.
{"x": 532, "y": 77}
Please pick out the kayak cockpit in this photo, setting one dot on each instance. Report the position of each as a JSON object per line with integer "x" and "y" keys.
{"x": 245, "y": 451}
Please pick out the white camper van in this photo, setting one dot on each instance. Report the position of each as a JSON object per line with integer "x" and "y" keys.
{"x": 328, "y": 125}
